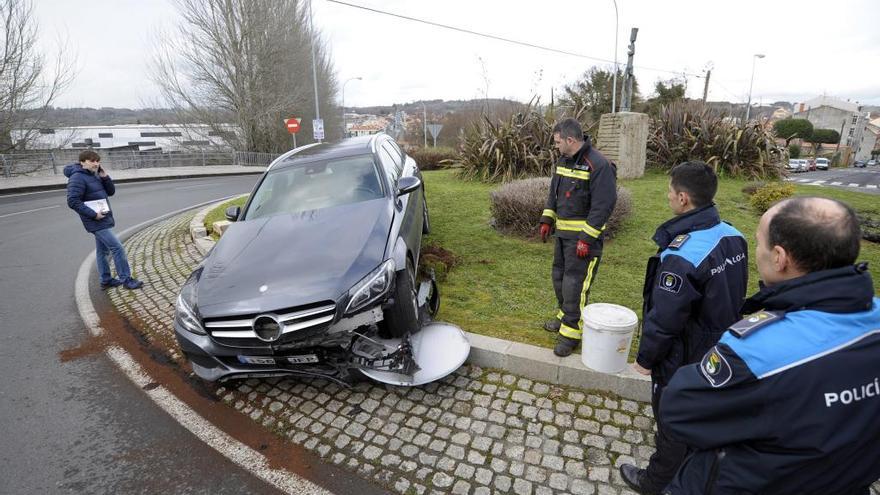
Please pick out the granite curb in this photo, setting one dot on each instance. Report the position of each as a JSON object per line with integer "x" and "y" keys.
{"x": 536, "y": 363}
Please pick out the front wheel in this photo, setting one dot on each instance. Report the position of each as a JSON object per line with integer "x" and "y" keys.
{"x": 402, "y": 318}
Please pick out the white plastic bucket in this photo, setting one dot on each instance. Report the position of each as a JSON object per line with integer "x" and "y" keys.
{"x": 608, "y": 331}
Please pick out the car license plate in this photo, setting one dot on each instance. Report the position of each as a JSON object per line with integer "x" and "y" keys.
{"x": 305, "y": 358}
{"x": 256, "y": 360}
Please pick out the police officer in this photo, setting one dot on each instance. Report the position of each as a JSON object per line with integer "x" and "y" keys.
{"x": 694, "y": 289}
{"x": 788, "y": 402}
{"x": 583, "y": 192}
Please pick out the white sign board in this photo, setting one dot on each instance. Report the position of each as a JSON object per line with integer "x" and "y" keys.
{"x": 318, "y": 127}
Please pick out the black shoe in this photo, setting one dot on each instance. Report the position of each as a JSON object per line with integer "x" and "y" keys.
{"x": 114, "y": 282}
{"x": 132, "y": 284}
{"x": 552, "y": 325}
{"x": 635, "y": 478}
{"x": 564, "y": 346}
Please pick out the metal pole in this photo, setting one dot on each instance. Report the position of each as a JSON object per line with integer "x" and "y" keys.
{"x": 314, "y": 69}
{"x": 425, "y": 123}
{"x": 614, "y": 77}
{"x": 749, "y": 102}
{"x": 343, "y": 102}
{"x": 706, "y": 86}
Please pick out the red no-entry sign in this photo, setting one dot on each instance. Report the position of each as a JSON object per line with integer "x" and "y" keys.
{"x": 292, "y": 125}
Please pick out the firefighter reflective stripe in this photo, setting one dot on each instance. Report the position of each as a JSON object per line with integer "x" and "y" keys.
{"x": 578, "y": 226}
{"x": 572, "y": 225}
{"x": 572, "y": 333}
{"x": 574, "y": 174}
{"x": 592, "y": 231}
{"x": 559, "y": 315}
{"x": 548, "y": 213}
{"x": 588, "y": 281}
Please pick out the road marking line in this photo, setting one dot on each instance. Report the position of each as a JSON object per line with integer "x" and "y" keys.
{"x": 29, "y": 211}
{"x": 818, "y": 182}
{"x": 853, "y": 184}
{"x": 836, "y": 183}
{"x": 237, "y": 452}
{"x": 871, "y": 186}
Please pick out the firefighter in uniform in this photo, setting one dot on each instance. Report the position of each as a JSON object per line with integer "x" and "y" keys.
{"x": 694, "y": 289}
{"x": 788, "y": 402}
{"x": 583, "y": 192}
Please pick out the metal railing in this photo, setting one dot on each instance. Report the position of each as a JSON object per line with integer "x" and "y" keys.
{"x": 48, "y": 163}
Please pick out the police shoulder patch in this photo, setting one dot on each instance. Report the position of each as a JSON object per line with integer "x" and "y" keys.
{"x": 753, "y": 322}
{"x": 715, "y": 368}
{"x": 679, "y": 241}
{"x": 670, "y": 282}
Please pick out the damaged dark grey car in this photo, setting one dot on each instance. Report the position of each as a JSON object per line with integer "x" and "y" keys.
{"x": 316, "y": 275}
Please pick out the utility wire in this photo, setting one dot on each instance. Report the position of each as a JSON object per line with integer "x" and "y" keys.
{"x": 499, "y": 38}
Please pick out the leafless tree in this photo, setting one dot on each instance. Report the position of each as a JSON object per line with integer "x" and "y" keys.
{"x": 246, "y": 63}
{"x": 28, "y": 83}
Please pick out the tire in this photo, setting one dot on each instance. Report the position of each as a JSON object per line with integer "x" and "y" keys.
{"x": 426, "y": 222}
{"x": 403, "y": 317}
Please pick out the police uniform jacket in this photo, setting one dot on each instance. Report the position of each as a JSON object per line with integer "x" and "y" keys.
{"x": 788, "y": 402}
{"x": 694, "y": 289}
{"x": 583, "y": 191}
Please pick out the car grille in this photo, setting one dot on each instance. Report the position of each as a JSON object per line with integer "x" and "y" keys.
{"x": 301, "y": 322}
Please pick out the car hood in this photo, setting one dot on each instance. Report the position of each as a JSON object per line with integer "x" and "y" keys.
{"x": 288, "y": 260}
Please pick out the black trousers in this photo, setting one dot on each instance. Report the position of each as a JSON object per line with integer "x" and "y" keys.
{"x": 572, "y": 279}
{"x": 669, "y": 454}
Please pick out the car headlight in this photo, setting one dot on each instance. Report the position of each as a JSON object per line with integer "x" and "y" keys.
{"x": 371, "y": 287}
{"x": 186, "y": 314}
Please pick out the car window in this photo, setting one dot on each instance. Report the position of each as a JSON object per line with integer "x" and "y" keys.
{"x": 394, "y": 152}
{"x": 392, "y": 169}
{"x": 314, "y": 186}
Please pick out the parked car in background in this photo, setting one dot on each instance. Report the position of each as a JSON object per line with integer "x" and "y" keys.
{"x": 872, "y": 163}
{"x": 859, "y": 164}
{"x": 797, "y": 165}
{"x": 322, "y": 256}
{"x": 822, "y": 163}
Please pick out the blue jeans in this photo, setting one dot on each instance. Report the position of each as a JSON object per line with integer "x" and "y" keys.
{"x": 106, "y": 243}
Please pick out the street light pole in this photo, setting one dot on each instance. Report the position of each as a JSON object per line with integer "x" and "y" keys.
{"x": 358, "y": 78}
{"x": 314, "y": 69}
{"x": 614, "y": 77}
{"x": 749, "y": 102}
{"x": 425, "y": 123}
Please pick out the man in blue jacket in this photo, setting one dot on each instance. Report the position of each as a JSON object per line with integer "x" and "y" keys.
{"x": 788, "y": 402}
{"x": 87, "y": 182}
{"x": 694, "y": 289}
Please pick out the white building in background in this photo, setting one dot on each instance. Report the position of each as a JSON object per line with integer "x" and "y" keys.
{"x": 131, "y": 137}
{"x": 845, "y": 117}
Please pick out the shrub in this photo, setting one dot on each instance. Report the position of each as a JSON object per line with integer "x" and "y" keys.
{"x": 752, "y": 187}
{"x": 769, "y": 194}
{"x": 687, "y": 130}
{"x": 517, "y": 206}
{"x": 794, "y": 150}
{"x": 518, "y": 147}
{"x": 433, "y": 158}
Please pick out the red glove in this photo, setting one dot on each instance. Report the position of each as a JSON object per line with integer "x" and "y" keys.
{"x": 583, "y": 249}
{"x": 545, "y": 231}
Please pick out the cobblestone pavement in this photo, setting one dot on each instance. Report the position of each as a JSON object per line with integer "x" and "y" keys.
{"x": 478, "y": 431}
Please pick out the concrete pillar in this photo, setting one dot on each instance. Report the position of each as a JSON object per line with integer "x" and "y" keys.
{"x": 623, "y": 139}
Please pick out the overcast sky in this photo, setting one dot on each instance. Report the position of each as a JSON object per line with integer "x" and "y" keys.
{"x": 811, "y": 47}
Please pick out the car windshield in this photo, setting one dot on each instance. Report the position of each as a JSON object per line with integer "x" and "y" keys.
{"x": 314, "y": 186}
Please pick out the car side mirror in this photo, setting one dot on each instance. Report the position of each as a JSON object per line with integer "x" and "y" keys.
{"x": 407, "y": 185}
{"x": 232, "y": 213}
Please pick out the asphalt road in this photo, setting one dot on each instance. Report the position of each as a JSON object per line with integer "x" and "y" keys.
{"x": 71, "y": 422}
{"x": 859, "y": 179}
